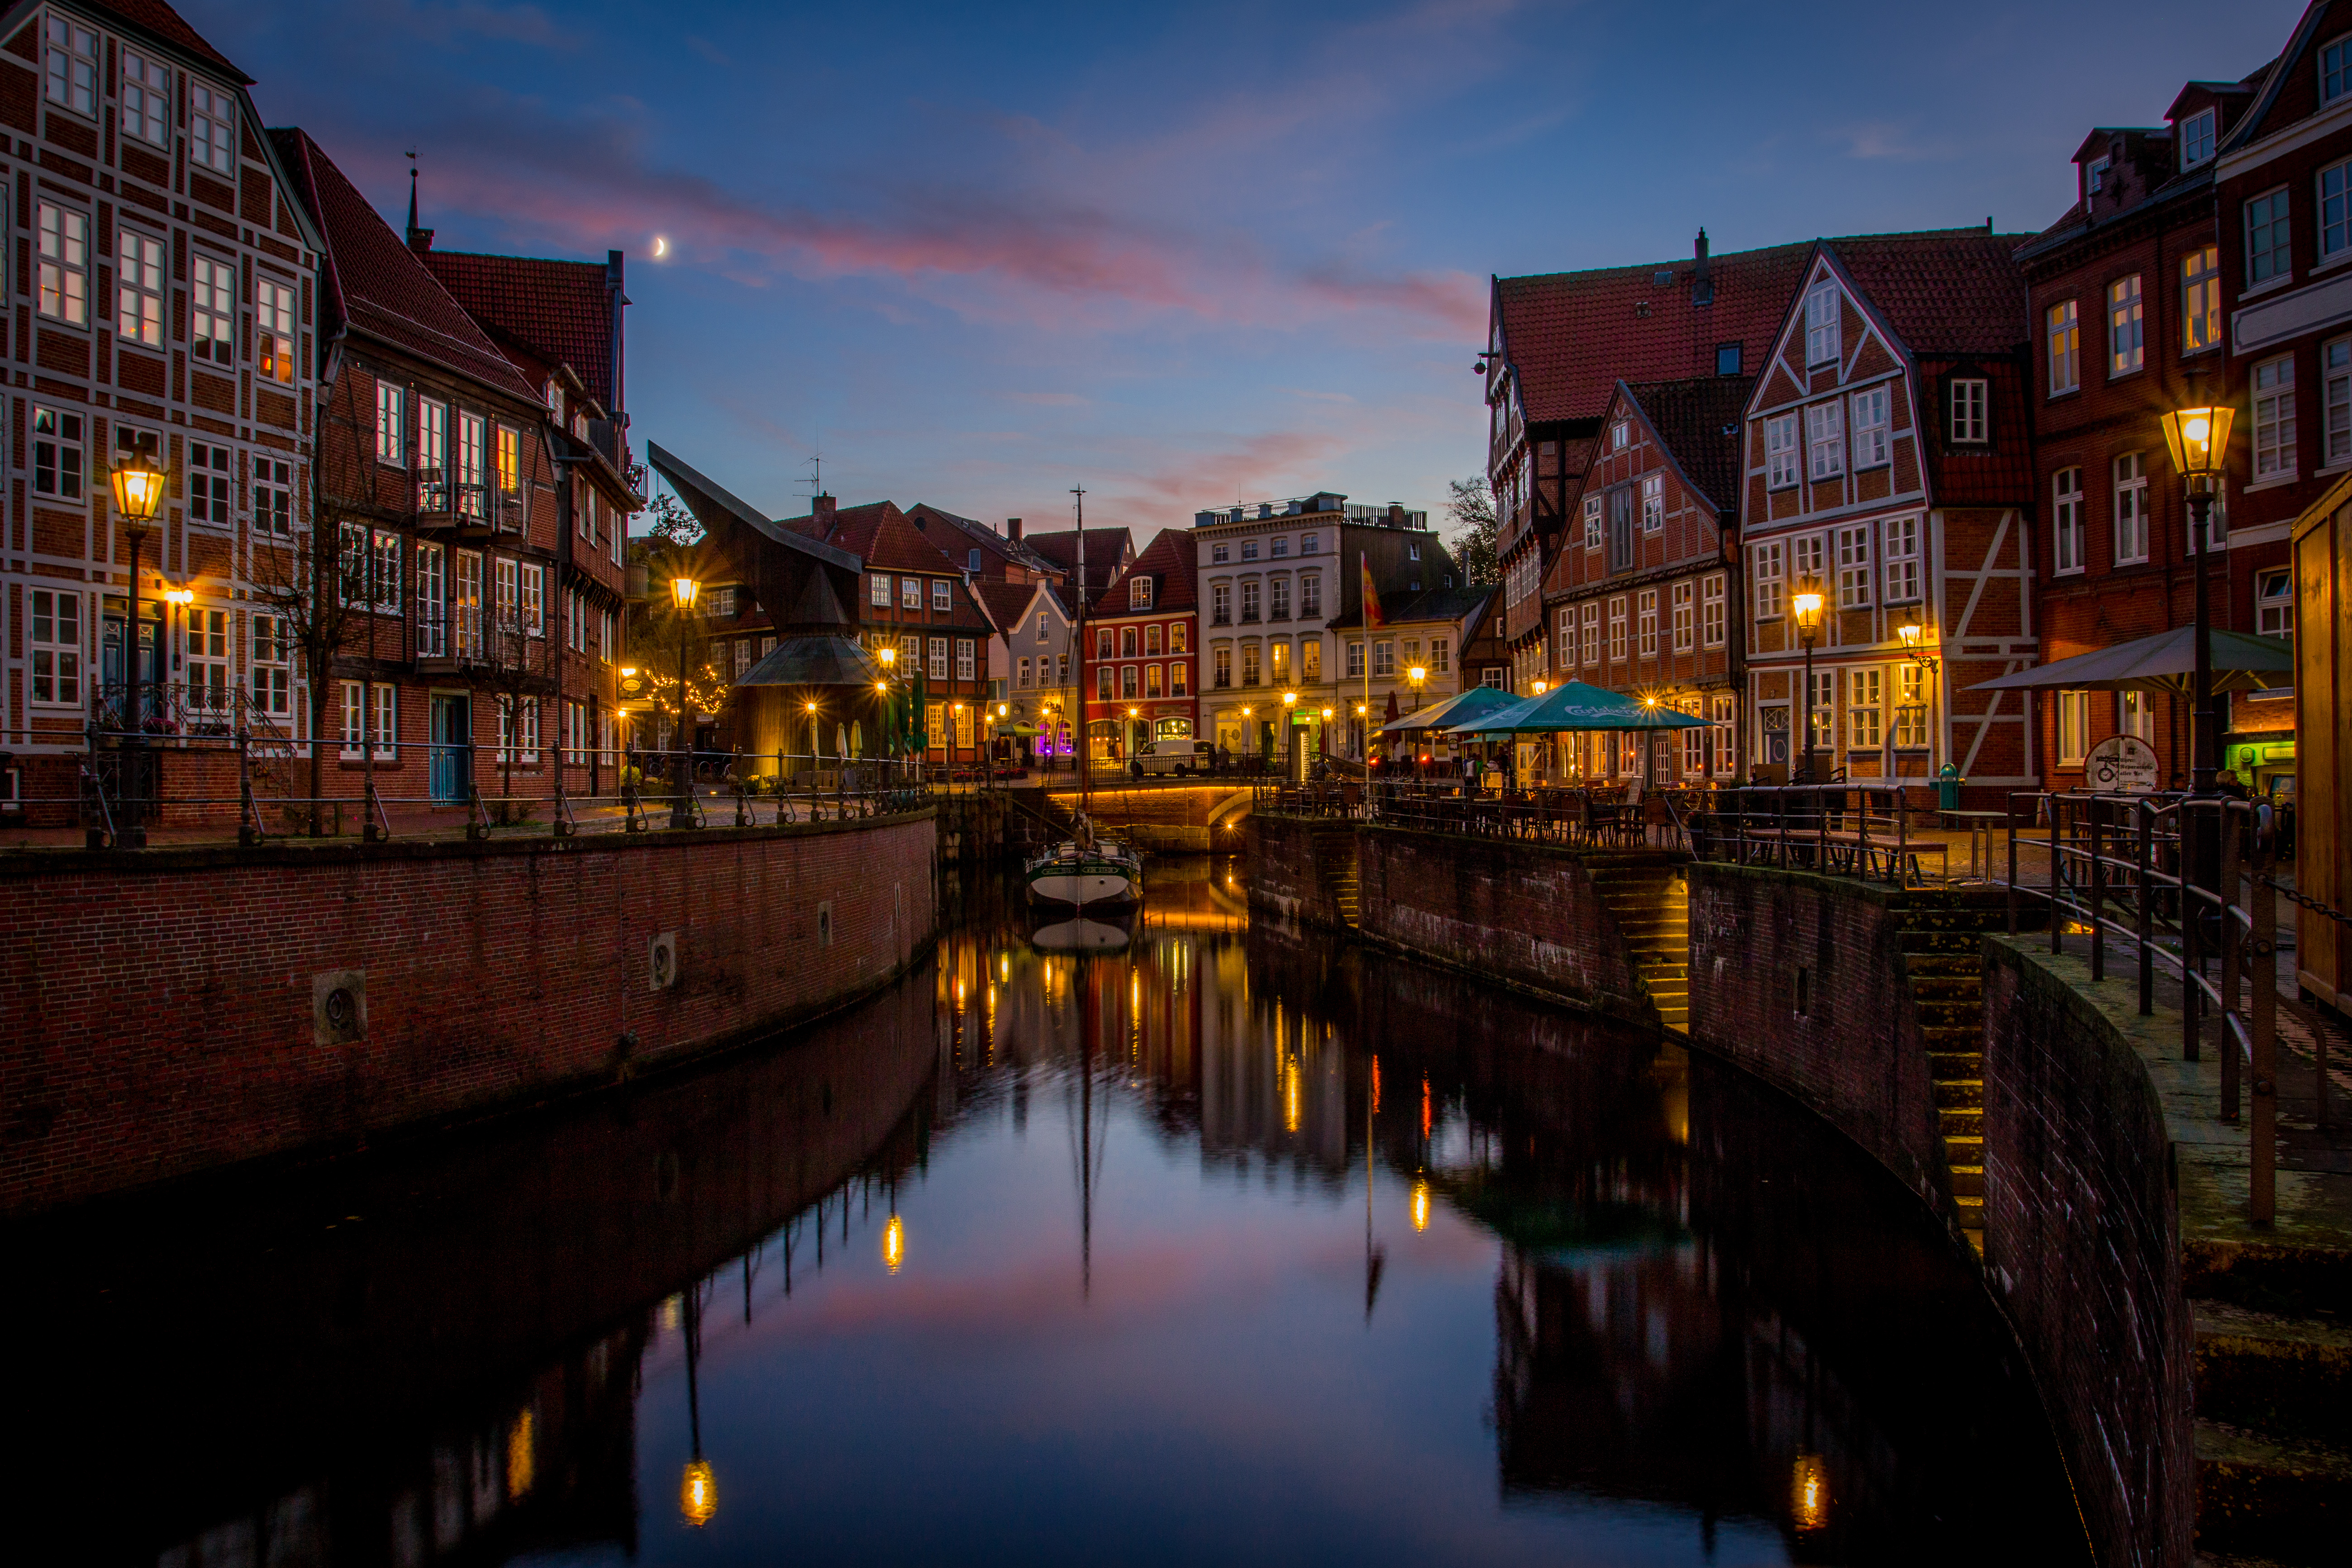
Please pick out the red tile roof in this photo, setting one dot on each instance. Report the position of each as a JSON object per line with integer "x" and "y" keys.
{"x": 1700, "y": 421}
{"x": 1006, "y": 602}
{"x": 1170, "y": 561}
{"x": 156, "y": 18}
{"x": 376, "y": 284}
{"x": 558, "y": 312}
{"x": 1571, "y": 336}
{"x": 1106, "y": 551}
{"x": 1959, "y": 292}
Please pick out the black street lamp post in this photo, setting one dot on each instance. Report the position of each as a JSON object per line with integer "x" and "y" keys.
{"x": 138, "y": 493}
{"x": 1808, "y": 606}
{"x": 684, "y": 591}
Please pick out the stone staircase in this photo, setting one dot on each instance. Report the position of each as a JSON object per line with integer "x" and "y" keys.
{"x": 1651, "y": 904}
{"x": 1943, "y": 958}
{"x": 2274, "y": 1409}
{"x": 1335, "y": 860}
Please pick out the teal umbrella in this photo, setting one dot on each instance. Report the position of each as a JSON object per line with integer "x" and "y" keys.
{"x": 1576, "y": 707}
{"x": 1472, "y": 703}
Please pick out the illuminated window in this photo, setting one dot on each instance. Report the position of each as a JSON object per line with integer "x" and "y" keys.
{"x": 2200, "y": 299}
{"x": 212, "y": 309}
{"x": 273, "y": 328}
{"x": 2065, "y": 331}
{"x": 2074, "y": 727}
{"x": 2126, "y": 350}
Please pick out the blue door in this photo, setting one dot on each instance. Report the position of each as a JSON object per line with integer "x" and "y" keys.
{"x": 453, "y": 747}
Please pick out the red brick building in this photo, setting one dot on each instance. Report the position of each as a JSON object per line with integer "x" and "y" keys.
{"x": 2283, "y": 189}
{"x": 1887, "y": 465}
{"x": 165, "y": 279}
{"x": 1644, "y": 598}
{"x": 2126, "y": 307}
{"x": 479, "y": 498}
{"x": 1142, "y": 661}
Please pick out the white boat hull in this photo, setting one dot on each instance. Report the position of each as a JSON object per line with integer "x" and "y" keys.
{"x": 1080, "y": 885}
{"x": 1080, "y": 936}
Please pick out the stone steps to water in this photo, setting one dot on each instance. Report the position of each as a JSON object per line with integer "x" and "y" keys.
{"x": 2286, "y": 1376}
{"x": 1959, "y": 1093}
{"x": 2284, "y": 1500}
{"x": 1653, "y": 920}
{"x": 1334, "y": 860}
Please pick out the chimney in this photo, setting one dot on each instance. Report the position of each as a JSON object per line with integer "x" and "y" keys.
{"x": 1396, "y": 513}
{"x": 821, "y": 514}
{"x": 1013, "y": 530}
{"x": 1702, "y": 277}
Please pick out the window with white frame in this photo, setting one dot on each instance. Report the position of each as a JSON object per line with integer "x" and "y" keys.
{"x": 2074, "y": 727}
{"x": 2066, "y": 534}
{"x": 1824, "y": 708}
{"x": 1871, "y": 447}
{"x": 2275, "y": 604}
{"x": 878, "y": 594}
{"x": 534, "y": 599}
{"x": 473, "y": 472}
{"x": 139, "y": 289}
{"x": 1853, "y": 567}
{"x": 2131, "y": 508}
{"x": 1862, "y": 709}
{"x": 211, "y": 127}
{"x": 465, "y": 604}
{"x": 1278, "y": 600}
{"x": 1617, "y": 627}
{"x": 1219, "y": 554}
{"x": 2273, "y": 390}
{"x": 1021, "y": 675}
{"x": 212, "y": 309}
{"x": 1711, "y": 608}
{"x": 910, "y": 651}
{"x": 2336, "y": 69}
{"x": 1806, "y": 562}
{"x": 938, "y": 659}
{"x": 146, "y": 99}
{"x": 1694, "y": 741}
{"x": 942, "y": 598}
{"x": 2335, "y": 386}
{"x": 1620, "y": 435}
{"x": 56, "y": 647}
{"x": 742, "y": 658}
{"x": 60, "y": 463}
{"x": 390, "y": 422}
{"x": 2136, "y": 714}
{"x": 1720, "y": 719}
{"x": 1590, "y": 627}
{"x": 1139, "y": 593}
{"x": 268, "y": 673}
{"x": 1825, "y": 440}
{"x": 2095, "y": 177}
{"x": 64, "y": 264}
{"x": 2196, "y": 139}
{"x": 1910, "y": 707}
{"x": 1971, "y": 408}
{"x": 1151, "y": 642}
{"x": 2126, "y": 345}
{"x": 273, "y": 330}
{"x": 71, "y": 66}
{"x": 2267, "y": 233}
{"x": 514, "y": 747}
{"x": 506, "y": 592}
{"x": 208, "y": 483}
{"x": 1765, "y": 563}
{"x": 1592, "y": 522}
{"x": 1780, "y": 450}
{"x": 1310, "y": 598}
{"x": 1902, "y": 560}
{"x": 2064, "y": 329}
{"x": 910, "y": 593}
{"x": 1383, "y": 657}
{"x": 2200, "y": 299}
{"x": 1646, "y": 622}
{"x": 1249, "y": 549}
{"x": 965, "y": 653}
{"x": 1685, "y": 623}
{"x": 1822, "y": 337}
{"x": 2335, "y": 210}
{"x": 273, "y": 496}
{"x": 1654, "y": 503}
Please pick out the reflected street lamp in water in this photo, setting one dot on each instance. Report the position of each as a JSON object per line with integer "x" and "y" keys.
{"x": 697, "y": 1492}
{"x": 894, "y": 1243}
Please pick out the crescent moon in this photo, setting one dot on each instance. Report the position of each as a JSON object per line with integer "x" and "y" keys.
{"x": 661, "y": 246}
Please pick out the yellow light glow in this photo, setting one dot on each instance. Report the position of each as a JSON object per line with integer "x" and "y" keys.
{"x": 883, "y": 686}
{"x": 1327, "y": 712}
{"x": 812, "y": 708}
{"x": 894, "y": 1243}
{"x": 1420, "y": 1204}
{"x": 1809, "y": 1492}
{"x": 521, "y": 1457}
{"x": 2198, "y": 429}
{"x": 137, "y": 488}
{"x": 629, "y": 671}
{"x": 1289, "y": 698}
{"x": 180, "y": 595}
{"x": 1418, "y": 674}
{"x": 1290, "y": 1096}
{"x": 697, "y": 1494}
{"x": 889, "y": 655}
{"x": 1004, "y": 969}
{"x": 1360, "y": 710}
{"x": 1807, "y": 603}
{"x": 1910, "y": 635}
{"x": 1542, "y": 688}
{"x": 684, "y": 591}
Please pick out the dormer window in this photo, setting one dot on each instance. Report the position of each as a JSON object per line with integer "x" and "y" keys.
{"x": 2336, "y": 69}
{"x": 1969, "y": 401}
{"x": 1139, "y": 594}
{"x": 1822, "y": 336}
{"x": 554, "y": 401}
{"x": 2196, "y": 139}
{"x": 2095, "y": 177}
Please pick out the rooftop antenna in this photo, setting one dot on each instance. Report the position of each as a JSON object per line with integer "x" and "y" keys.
{"x": 816, "y": 473}
{"x": 411, "y": 193}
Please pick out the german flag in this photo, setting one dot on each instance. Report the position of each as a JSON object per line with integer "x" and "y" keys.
{"x": 1372, "y": 594}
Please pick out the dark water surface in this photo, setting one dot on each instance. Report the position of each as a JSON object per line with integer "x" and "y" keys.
{"x": 1227, "y": 1245}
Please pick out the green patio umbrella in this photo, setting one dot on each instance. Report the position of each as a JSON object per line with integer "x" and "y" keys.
{"x": 2164, "y": 662}
{"x": 1576, "y": 706}
{"x": 1476, "y": 702}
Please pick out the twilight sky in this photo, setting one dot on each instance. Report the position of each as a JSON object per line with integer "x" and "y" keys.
{"x": 1183, "y": 254}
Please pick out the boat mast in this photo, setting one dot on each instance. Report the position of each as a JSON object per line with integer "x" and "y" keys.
{"x": 1080, "y": 492}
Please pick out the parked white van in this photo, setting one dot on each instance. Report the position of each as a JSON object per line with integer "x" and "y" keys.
{"x": 1184, "y": 755}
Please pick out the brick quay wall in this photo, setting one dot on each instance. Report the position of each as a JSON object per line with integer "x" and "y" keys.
{"x": 168, "y": 1012}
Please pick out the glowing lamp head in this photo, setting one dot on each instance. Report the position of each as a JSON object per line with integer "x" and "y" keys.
{"x": 183, "y": 596}
{"x": 811, "y": 706}
{"x": 1360, "y": 710}
{"x": 1289, "y": 698}
{"x": 1649, "y": 701}
{"x": 2199, "y": 440}
{"x": 1417, "y": 674}
{"x": 882, "y": 685}
{"x": 1807, "y": 607}
{"x": 890, "y": 657}
{"x": 1327, "y": 712}
{"x": 697, "y": 1494}
{"x": 1910, "y": 635}
{"x": 684, "y": 591}
{"x": 137, "y": 488}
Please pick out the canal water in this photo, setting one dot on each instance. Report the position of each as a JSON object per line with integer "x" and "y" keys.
{"x": 1179, "y": 1241}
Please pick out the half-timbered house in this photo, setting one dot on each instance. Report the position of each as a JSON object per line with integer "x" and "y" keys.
{"x": 1887, "y": 468}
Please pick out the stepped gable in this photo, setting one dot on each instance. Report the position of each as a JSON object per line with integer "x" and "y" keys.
{"x": 373, "y": 282}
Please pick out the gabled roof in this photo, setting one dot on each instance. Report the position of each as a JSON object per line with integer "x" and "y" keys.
{"x": 1169, "y": 562}
{"x": 1407, "y": 605}
{"x": 1958, "y": 292}
{"x": 559, "y": 312}
{"x": 160, "y": 22}
{"x": 987, "y": 538}
{"x": 376, "y": 285}
{"x": 2251, "y": 124}
{"x": 1007, "y": 603}
{"x": 1106, "y": 551}
{"x": 1699, "y": 422}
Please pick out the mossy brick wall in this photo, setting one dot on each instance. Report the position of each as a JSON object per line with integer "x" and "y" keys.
{"x": 1284, "y": 877}
{"x": 2083, "y": 1243}
{"x": 1853, "y": 1049}
{"x": 156, "y": 1008}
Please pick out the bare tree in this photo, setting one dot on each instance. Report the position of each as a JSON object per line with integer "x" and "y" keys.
{"x": 1472, "y": 503}
{"x": 324, "y": 585}
{"x": 514, "y": 669}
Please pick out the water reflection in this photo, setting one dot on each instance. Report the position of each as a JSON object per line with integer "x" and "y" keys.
{"x": 1212, "y": 1242}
